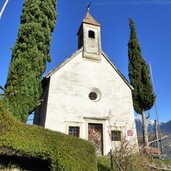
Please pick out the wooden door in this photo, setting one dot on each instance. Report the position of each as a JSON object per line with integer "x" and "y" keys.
{"x": 95, "y": 135}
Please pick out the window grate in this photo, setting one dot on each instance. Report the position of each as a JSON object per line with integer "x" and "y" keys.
{"x": 116, "y": 135}
{"x": 74, "y": 131}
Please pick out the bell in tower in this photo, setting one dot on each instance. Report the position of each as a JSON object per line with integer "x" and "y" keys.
{"x": 89, "y": 38}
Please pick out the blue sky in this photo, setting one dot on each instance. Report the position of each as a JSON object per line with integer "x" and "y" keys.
{"x": 153, "y": 24}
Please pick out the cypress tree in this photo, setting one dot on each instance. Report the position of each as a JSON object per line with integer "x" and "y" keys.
{"x": 29, "y": 56}
{"x": 143, "y": 94}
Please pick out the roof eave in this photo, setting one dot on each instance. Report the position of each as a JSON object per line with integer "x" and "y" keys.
{"x": 50, "y": 73}
{"x": 117, "y": 70}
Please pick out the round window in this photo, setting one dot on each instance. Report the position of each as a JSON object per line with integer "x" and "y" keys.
{"x": 93, "y": 96}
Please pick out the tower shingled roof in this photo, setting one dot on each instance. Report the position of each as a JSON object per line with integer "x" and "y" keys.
{"x": 90, "y": 20}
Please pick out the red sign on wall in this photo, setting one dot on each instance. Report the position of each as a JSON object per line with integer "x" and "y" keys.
{"x": 129, "y": 132}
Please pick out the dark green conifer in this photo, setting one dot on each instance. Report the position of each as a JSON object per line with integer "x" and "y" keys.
{"x": 29, "y": 56}
{"x": 143, "y": 94}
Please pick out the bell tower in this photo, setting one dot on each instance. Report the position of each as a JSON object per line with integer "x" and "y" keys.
{"x": 89, "y": 38}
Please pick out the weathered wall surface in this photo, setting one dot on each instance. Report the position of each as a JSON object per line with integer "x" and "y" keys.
{"x": 69, "y": 103}
{"x": 92, "y": 47}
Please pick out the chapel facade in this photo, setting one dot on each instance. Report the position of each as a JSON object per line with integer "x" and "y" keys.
{"x": 87, "y": 96}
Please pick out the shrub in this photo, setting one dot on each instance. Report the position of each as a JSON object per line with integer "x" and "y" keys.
{"x": 138, "y": 162}
{"x": 62, "y": 152}
{"x": 126, "y": 157}
{"x": 103, "y": 163}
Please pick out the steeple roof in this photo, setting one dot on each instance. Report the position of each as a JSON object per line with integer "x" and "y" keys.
{"x": 90, "y": 20}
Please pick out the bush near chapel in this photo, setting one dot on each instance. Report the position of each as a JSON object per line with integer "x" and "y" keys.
{"x": 23, "y": 143}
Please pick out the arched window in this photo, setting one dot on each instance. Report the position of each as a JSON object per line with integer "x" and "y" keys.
{"x": 91, "y": 34}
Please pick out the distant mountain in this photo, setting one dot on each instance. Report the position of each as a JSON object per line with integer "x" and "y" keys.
{"x": 165, "y": 128}
{"x": 151, "y": 126}
{"x": 138, "y": 123}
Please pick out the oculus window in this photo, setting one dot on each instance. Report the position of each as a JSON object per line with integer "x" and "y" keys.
{"x": 95, "y": 94}
{"x": 92, "y": 96}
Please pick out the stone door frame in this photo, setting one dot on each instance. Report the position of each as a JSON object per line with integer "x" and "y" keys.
{"x": 102, "y": 121}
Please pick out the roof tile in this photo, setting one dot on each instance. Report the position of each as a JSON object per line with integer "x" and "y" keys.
{"x": 90, "y": 20}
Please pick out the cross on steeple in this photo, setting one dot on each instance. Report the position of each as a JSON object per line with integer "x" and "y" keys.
{"x": 88, "y": 7}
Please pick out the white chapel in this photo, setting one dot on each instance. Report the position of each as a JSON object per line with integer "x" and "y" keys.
{"x": 87, "y": 96}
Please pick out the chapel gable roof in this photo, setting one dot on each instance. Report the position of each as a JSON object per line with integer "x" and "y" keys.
{"x": 117, "y": 70}
{"x": 48, "y": 75}
{"x": 90, "y": 20}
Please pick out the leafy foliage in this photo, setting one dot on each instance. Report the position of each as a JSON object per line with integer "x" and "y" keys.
{"x": 29, "y": 56}
{"x": 63, "y": 152}
{"x": 143, "y": 95}
{"x": 135, "y": 162}
{"x": 104, "y": 163}
{"x": 127, "y": 160}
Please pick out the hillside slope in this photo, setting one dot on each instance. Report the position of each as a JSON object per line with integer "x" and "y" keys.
{"x": 20, "y": 143}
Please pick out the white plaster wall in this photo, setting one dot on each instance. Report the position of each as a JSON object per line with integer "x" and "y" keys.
{"x": 68, "y": 100}
{"x": 92, "y": 46}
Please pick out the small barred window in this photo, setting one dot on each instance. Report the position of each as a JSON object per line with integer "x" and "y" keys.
{"x": 116, "y": 135}
{"x": 75, "y": 131}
